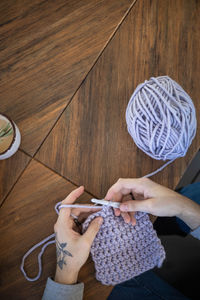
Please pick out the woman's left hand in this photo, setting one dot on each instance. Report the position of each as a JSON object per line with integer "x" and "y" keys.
{"x": 73, "y": 248}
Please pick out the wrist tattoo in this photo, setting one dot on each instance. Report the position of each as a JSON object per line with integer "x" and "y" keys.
{"x": 61, "y": 253}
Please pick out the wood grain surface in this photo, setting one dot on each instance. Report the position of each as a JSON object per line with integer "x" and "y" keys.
{"x": 90, "y": 144}
{"x": 10, "y": 171}
{"x": 46, "y": 50}
{"x": 26, "y": 217}
{"x": 48, "y": 59}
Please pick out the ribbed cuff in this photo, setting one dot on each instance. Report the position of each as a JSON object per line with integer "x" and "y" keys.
{"x": 58, "y": 291}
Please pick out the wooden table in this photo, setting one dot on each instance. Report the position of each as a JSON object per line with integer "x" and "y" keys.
{"x": 68, "y": 69}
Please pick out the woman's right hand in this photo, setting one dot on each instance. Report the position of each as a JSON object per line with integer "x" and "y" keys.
{"x": 152, "y": 198}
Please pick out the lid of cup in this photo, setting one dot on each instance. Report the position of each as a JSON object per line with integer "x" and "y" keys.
{"x": 7, "y": 134}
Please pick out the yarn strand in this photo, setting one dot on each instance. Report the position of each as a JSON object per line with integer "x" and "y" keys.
{"x": 47, "y": 241}
{"x": 158, "y": 170}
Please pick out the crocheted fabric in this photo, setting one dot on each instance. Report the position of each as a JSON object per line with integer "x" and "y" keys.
{"x": 122, "y": 251}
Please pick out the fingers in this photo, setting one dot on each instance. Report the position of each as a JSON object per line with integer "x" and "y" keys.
{"x": 83, "y": 213}
{"x": 137, "y": 196}
{"x": 116, "y": 192}
{"x": 71, "y": 198}
{"x": 92, "y": 230}
{"x": 117, "y": 212}
{"x": 137, "y": 185}
{"x": 112, "y": 195}
{"x": 126, "y": 185}
{"x": 116, "y": 197}
{"x": 126, "y": 217}
{"x": 77, "y": 211}
{"x": 137, "y": 205}
{"x": 133, "y": 219}
{"x": 121, "y": 187}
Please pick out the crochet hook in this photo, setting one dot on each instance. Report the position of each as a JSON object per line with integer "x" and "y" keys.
{"x": 105, "y": 202}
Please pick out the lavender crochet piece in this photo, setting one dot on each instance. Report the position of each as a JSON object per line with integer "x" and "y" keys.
{"x": 122, "y": 251}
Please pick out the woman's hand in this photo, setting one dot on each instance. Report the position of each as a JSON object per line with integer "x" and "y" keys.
{"x": 73, "y": 248}
{"x": 152, "y": 198}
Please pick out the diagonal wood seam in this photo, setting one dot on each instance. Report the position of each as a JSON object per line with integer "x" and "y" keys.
{"x": 79, "y": 86}
{"x": 58, "y": 118}
{"x": 16, "y": 181}
{"x": 47, "y": 167}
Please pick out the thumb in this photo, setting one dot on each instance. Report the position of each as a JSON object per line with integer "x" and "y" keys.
{"x": 93, "y": 229}
{"x": 136, "y": 205}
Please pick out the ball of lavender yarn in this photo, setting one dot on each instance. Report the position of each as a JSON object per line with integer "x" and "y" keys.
{"x": 161, "y": 118}
{"x": 122, "y": 251}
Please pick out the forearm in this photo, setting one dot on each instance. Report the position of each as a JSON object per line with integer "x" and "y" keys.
{"x": 190, "y": 213}
{"x": 66, "y": 277}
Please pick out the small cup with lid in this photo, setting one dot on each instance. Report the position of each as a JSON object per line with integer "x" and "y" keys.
{"x": 10, "y": 137}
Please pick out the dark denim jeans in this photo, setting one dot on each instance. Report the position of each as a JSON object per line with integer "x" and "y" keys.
{"x": 147, "y": 286}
